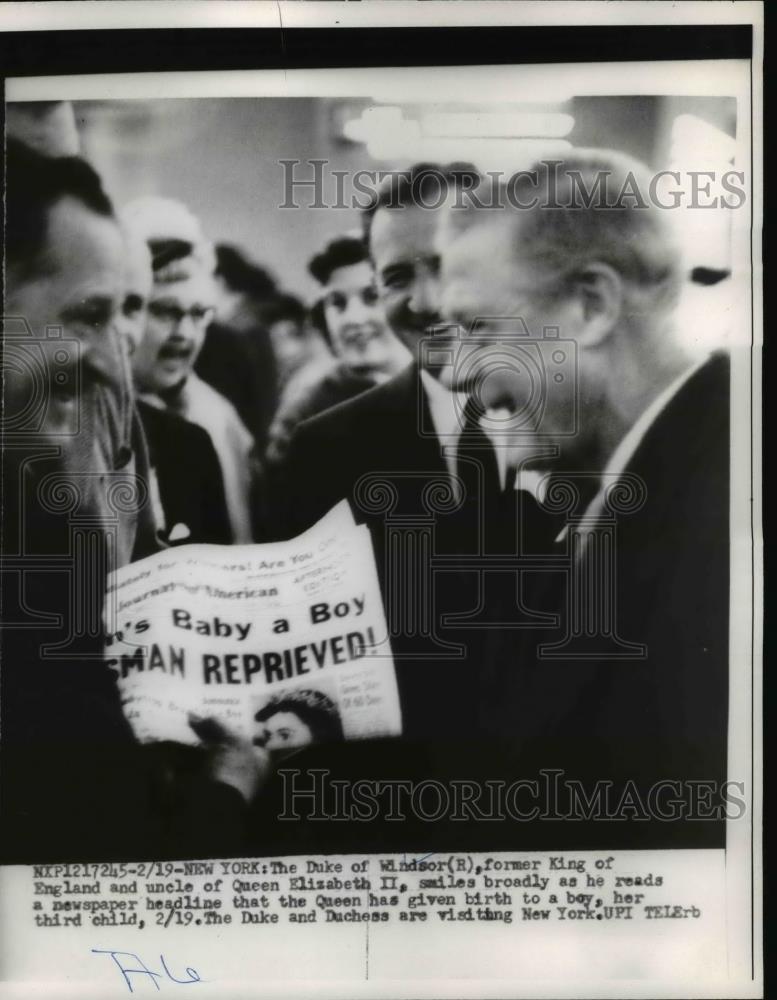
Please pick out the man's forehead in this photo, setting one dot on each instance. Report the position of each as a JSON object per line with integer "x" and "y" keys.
{"x": 82, "y": 256}
{"x": 483, "y": 267}
{"x": 403, "y": 232}
{"x": 197, "y": 288}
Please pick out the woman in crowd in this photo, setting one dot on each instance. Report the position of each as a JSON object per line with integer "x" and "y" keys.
{"x": 352, "y": 321}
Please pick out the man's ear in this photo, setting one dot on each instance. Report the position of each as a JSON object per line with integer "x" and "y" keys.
{"x": 599, "y": 291}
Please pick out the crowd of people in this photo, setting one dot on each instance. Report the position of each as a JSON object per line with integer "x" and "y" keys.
{"x": 229, "y": 411}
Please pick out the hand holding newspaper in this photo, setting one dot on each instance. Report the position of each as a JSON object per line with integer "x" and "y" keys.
{"x": 285, "y": 643}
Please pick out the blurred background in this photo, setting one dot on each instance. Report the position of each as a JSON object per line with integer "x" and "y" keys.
{"x": 222, "y": 156}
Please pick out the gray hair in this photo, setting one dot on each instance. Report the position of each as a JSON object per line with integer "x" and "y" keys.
{"x": 592, "y": 206}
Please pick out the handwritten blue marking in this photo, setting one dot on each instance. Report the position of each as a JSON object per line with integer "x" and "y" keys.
{"x": 144, "y": 970}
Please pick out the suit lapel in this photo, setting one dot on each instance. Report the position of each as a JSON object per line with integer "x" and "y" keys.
{"x": 412, "y": 445}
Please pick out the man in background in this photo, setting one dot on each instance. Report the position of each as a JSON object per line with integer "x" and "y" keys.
{"x": 390, "y": 427}
{"x": 185, "y": 485}
{"x": 416, "y": 440}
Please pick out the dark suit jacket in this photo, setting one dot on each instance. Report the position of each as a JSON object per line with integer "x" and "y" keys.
{"x": 191, "y": 487}
{"x": 374, "y": 433}
{"x": 662, "y": 716}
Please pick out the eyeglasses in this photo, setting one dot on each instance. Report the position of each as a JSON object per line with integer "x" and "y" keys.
{"x": 172, "y": 315}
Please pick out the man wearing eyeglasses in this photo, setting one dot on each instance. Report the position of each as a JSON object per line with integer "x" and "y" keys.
{"x": 185, "y": 484}
{"x": 180, "y": 307}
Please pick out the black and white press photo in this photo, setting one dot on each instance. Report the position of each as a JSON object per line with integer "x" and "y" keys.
{"x": 381, "y": 520}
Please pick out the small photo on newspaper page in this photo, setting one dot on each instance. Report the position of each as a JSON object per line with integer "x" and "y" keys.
{"x": 381, "y": 566}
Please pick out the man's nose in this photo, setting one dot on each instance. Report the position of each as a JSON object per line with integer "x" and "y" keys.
{"x": 104, "y": 352}
{"x": 186, "y": 327}
{"x": 448, "y": 306}
{"x": 425, "y": 297}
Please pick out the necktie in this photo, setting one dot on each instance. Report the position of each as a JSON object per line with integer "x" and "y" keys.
{"x": 476, "y": 463}
{"x": 487, "y": 512}
{"x": 538, "y": 529}
{"x": 512, "y": 520}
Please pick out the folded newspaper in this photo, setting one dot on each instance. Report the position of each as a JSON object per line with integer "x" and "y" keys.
{"x": 285, "y": 643}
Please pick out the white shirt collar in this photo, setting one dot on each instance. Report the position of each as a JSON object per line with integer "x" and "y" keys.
{"x": 445, "y": 408}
